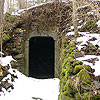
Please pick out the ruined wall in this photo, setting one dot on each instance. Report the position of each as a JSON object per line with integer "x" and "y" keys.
{"x": 47, "y": 32}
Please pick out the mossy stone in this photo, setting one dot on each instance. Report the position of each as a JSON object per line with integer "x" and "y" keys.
{"x": 77, "y": 63}
{"x": 9, "y": 17}
{"x": 90, "y": 25}
{"x": 86, "y": 96}
{"x": 69, "y": 88}
{"x": 97, "y": 97}
{"x": 66, "y": 60}
{"x": 77, "y": 68}
{"x": 77, "y": 96}
{"x": 69, "y": 98}
{"x": 84, "y": 76}
{"x": 66, "y": 93}
{"x": 63, "y": 72}
{"x": 6, "y": 36}
{"x": 88, "y": 68}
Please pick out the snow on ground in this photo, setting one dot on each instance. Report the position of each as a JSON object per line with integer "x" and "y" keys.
{"x": 4, "y": 61}
{"x": 86, "y": 36}
{"x": 96, "y": 66}
{"x": 91, "y": 12}
{"x": 83, "y": 40}
{"x": 72, "y": 27}
{"x": 27, "y": 88}
{"x": 21, "y": 11}
{"x": 98, "y": 23}
{"x": 80, "y": 7}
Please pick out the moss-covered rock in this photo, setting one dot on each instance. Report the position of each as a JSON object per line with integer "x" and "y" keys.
{"x": 6, "y": 37}
{"x": 77, "y": 63}
{"x": 86, "y": 96}
{"x": 87, "y": 67}
{"x": 84, "y": 76}
{"x": 77, "y": 96}
{"x": 77, "y": 69}
{"x": 70, "y": 89}
{"x": 90, "y": 25}
{"x": 97, "y": 97}
{"x": 8, "y": 17}
{"x": 69, "y": 98}
{"x": 75, "y": 76}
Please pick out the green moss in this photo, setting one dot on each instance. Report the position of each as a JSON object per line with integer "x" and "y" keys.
{"x": 90, "y": 25}
{"x": 66, "y": 61}
{"x": 88, "y": 68}
{"x": 77, "y": 63}
{"x": 69, "y": 88}
{"x": 6, "y": 37}
{"x": 63, "y": 71}
{"x": 66, "y": 93}
{"x": 77, "y": 69}
{"x": 61, "y": 93}
{"x": 9, "y": 17}
{"x": 65, "y": 43}
{"x": 77, "y": 96}
{"x": 86, "y": 96}
{"x": 84, "y": 76}
{"x": 97, "y": 97}
{"x": 69, "y": 98}
{"x": 69, "y": 83}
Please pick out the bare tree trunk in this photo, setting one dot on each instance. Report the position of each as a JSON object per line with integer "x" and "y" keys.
{"x": 21, "y": 4}
{"x": 26, "y": 3}
{"x": 8, "y": 6}
{"x": 1, "y": 11}
{"x": 1, "y": 21}
{"x": 75, "y": 17}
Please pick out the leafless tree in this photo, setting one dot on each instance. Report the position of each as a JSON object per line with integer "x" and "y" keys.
{"x": 75, "y": 17}
{"x": 1, "y": 11}
{"x": 21, "y": 4}
{"x": 1, "y": 21}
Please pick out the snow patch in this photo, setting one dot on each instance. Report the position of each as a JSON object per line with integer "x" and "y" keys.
{"x": 27, "y": 88}
{"x": 4, "y": 61}
{"x": 86, "y": 37}
{"x": 96, "y": 66}
{"x": 91, "y": 12}
{"x": 98, "y": 23}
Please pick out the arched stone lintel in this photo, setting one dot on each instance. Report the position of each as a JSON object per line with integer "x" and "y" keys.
{"x": 54, "y": 35}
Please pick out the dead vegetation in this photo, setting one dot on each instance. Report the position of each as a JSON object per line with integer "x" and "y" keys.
{"x": 49, "y": 17}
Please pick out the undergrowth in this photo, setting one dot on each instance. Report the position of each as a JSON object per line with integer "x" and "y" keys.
{"x": 76, "y": 78}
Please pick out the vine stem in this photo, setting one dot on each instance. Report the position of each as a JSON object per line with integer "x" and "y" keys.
{"x": 1, "y": 40}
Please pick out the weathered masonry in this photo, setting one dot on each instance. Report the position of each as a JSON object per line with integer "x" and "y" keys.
{"x": 42, "y": 55}
{"x": 42, "y": 42}
{"x": 36, "y": 39}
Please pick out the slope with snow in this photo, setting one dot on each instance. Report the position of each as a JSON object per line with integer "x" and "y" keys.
{"x": 28, "y": 88}
{"x": 83, "y": 41}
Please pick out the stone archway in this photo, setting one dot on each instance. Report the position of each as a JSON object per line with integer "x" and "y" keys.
{"x": 47, "y": 36}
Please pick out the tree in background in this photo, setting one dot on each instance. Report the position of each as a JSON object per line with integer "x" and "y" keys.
{"x": 1, "y": 21}
{"x": 21, "y": 4}
{"x": 1, "y": 11}
{"x": 75, "y": 17}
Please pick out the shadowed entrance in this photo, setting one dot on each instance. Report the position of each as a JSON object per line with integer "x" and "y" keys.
{"x": 41, "y": 57}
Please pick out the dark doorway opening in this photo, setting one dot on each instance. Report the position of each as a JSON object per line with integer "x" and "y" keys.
{"x": 41, "y": 57}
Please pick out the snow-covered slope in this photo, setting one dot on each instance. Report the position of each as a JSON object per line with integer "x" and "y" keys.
{"x": 92, "y": 60}
{"x": 28, "y": 88}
